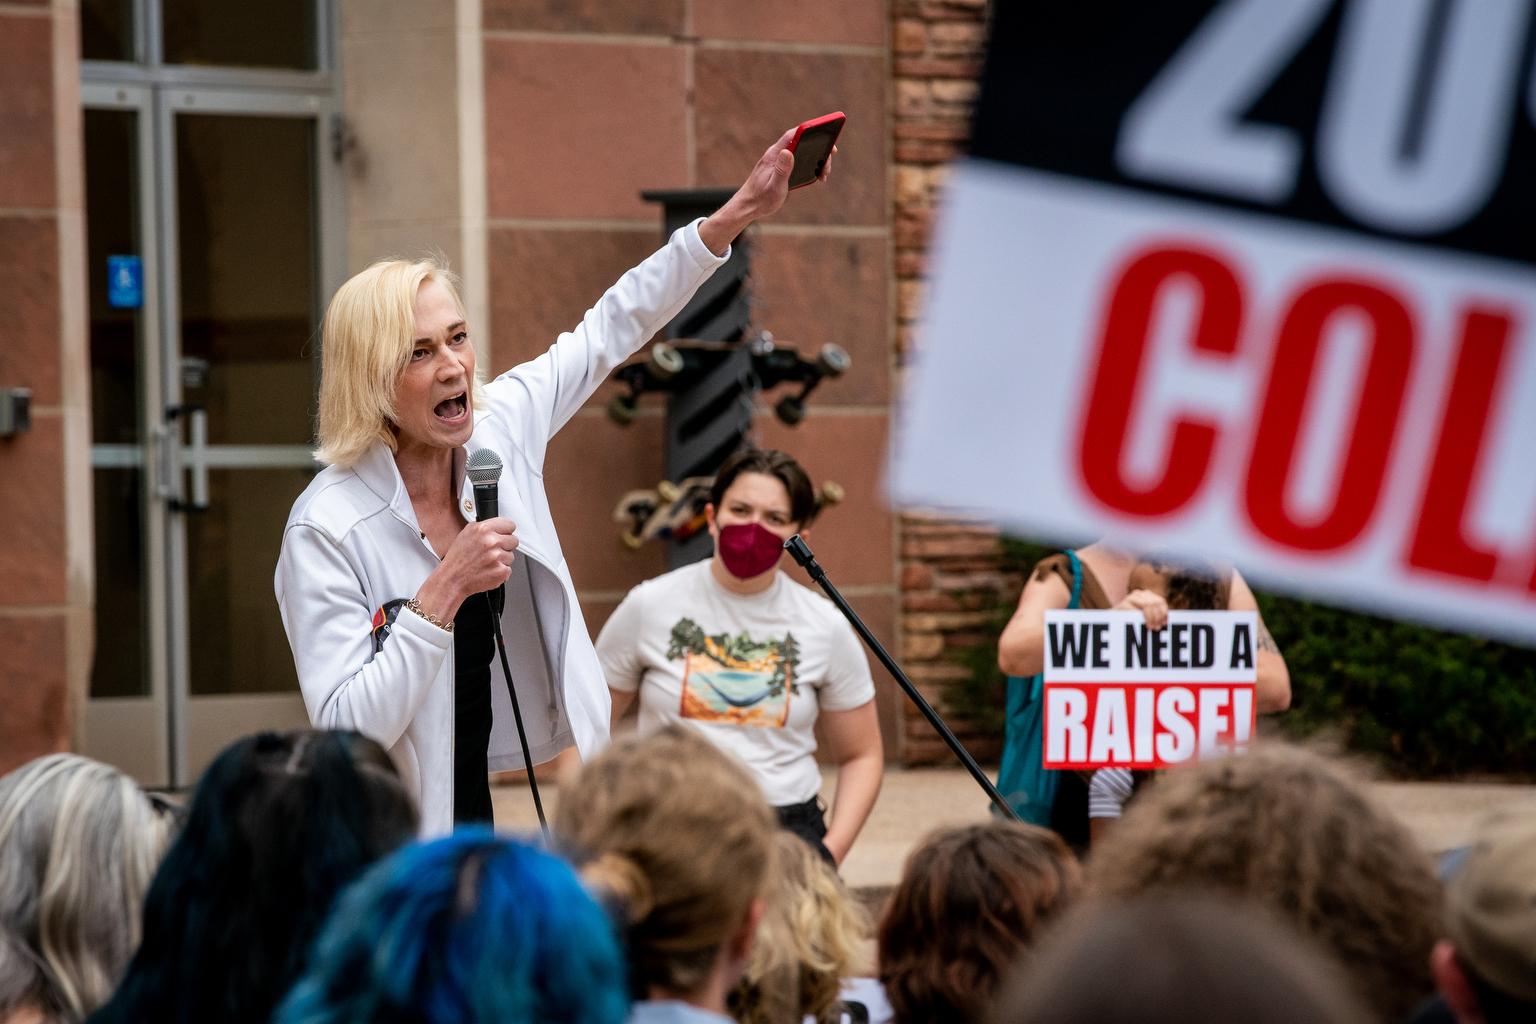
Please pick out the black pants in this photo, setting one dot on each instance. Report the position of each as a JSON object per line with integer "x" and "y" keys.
{"x": 474, "y": 644}
{"x": 807, "y": 821}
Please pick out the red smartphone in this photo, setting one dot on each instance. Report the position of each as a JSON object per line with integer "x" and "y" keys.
{"x": 812, "y": 145}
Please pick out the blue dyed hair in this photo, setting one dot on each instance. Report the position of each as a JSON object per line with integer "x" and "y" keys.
{"x": 471, "y": 929}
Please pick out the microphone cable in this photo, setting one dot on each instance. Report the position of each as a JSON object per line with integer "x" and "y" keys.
{"x": 517, "y": 714}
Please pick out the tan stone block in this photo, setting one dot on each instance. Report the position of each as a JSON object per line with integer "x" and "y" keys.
{"x": 922, "y": 151}
{"x": 34, "y": 717}
{"x": 620, "y": 17}
{"x": 743, "y": 98}
{"x": 32, "y": 562}
{"x": 911, "y": 36}
{"x": 955, "y": 93}
{"x": 26, "y": 112}
{"x": 542, "y": 282}
{"x": 916, "y": 576}
{"x": 29, "y": 266}
{"x": 853, "y": 539}
{"x": 810, "y": 290}
{"x": 592, "y": 463}
{"x": 878, "y": 611}
{"x": 909, "y": 300}
{"x": 596, "y": 611}
{"x": 911, "y": 185}
{"x": 576, "y": 129}
{"x": 921, "y": 646}
{"x": 912, "y": 98}
{"x": 938, "y": 67}
{"x": 838, "y": 22}
{"x": 957, "y": 38}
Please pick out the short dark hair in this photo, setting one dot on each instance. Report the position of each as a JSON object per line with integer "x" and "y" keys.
{"x": 1186, "y": 585}
{"x": 970, "y": 901}
{"x": 779, "y": 465}
{"x": 278, "y": 825}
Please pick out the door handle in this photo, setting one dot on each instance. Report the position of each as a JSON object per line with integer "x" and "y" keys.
{"x": 194, "y": 457}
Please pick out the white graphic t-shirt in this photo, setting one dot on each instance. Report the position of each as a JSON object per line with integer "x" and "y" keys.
{"x": 750, "y": 671}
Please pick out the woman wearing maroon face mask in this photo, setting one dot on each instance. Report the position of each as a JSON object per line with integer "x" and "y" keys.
{"x": 753, "y": 659}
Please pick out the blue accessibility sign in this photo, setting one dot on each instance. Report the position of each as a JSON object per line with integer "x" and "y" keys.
{"x": 125, "y": 282}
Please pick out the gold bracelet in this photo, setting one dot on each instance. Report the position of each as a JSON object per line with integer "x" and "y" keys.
{"x": 415, "y": 606}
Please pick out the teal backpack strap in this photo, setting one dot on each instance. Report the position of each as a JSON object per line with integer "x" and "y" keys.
{"x": 1077, "y": 579}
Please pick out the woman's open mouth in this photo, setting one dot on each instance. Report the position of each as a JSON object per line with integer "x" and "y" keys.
{"x": 452, "y": 410}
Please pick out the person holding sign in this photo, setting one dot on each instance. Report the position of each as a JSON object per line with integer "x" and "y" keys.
{"x": 1180, "y": 588}
{"x": 1096, "y": 577}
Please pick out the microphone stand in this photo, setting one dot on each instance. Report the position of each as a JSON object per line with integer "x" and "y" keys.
{"x": 801, "y": 553}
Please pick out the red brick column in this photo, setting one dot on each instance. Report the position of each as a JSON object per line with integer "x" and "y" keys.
{"x": 952, "y": 587}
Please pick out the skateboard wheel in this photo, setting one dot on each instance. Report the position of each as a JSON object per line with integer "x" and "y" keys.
{"x": 666, "y": 361}
{"x": 830, "y": 494}
{"x": 667, "y": 491}
{"x": 833, "y": 360}
{"x": 622, "y": 410}
{"x": 633, "y": 541}
{"x": 790, "y": 411}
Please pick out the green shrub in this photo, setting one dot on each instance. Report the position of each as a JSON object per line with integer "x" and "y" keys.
{"x": 1422, "y": 701}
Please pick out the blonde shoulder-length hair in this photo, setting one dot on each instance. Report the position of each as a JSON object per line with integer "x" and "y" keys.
{"x": 366, "y": 342}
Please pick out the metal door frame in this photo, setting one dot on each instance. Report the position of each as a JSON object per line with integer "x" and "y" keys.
{"x": 159, "y": 93}
{"x": 143, "y": 456}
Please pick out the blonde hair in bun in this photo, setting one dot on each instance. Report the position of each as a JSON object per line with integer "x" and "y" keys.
{"x": 678, "y": 833}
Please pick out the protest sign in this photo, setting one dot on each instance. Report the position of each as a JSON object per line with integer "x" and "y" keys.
{"x": 1121, "y": 695}
{"x": 1252, "y": 280}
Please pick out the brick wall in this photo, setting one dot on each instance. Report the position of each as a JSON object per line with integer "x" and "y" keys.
{"x": 951, "y": 585}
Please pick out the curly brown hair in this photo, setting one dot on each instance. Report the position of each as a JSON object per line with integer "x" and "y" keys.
{"x": 1293, "y": 832}
{"x": 970, "y": 900}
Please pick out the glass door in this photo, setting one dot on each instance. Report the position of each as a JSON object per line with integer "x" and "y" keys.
{"x": 126, "y": 716}
{"x": 213, "y": 243}
{"x": 244, "y": 230}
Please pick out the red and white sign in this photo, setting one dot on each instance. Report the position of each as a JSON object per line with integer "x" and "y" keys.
{"x": 1338, "y": 395}
{"x": 1120, "y": 695}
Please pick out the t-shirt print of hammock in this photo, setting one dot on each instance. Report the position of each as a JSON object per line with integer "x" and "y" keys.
{"x": 734, "y": 679}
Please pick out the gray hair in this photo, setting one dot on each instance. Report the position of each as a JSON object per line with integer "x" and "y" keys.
{"x": 79, "y": 842}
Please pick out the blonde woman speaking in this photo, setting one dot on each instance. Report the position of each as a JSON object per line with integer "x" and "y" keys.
{"x": 381, "y": 555}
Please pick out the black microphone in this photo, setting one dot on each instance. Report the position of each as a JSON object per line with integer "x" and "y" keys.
{"x": 484, "y": 472}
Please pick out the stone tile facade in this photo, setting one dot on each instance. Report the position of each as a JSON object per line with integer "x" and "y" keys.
{"x": 44, "y": 480}
{"x": 588, "y": 103}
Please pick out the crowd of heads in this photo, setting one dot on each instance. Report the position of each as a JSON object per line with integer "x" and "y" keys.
{"x": 292, "y": 888}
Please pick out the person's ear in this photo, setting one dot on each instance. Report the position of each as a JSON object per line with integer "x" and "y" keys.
{"x": 1453, "y": 984}
{"x": 746, "y": 937}
{"x": 709, "y": 520}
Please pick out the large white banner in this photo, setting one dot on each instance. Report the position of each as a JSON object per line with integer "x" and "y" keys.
{"x": 1228, "y": 309}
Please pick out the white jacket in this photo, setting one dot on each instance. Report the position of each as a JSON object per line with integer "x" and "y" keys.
{"x": 352, "y": 553}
